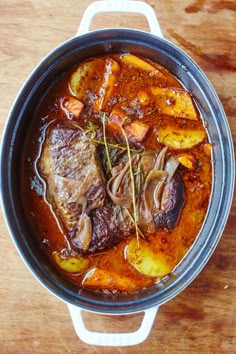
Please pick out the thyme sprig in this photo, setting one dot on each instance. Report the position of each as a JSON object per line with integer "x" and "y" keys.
{"x": 88, "y": 129}
{"x": 132, "y": 184}
{"x": 105, "y": 141}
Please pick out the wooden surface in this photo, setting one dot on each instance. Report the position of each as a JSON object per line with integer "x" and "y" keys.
{"x": 202, "y": 318}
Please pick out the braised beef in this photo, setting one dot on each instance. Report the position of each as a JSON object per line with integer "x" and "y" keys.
{"x": 94, "y": 210}
{"x": 74, "y": 177}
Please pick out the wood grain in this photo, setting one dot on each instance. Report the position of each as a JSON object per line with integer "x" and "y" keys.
{"x": 202, "y": 318}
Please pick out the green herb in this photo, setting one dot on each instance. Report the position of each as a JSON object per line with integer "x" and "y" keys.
{"x": 78, "y": 126}
{"x": 105, "y": 141}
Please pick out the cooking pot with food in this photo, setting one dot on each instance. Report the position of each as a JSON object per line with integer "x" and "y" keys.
{"x": 127, "y": 143}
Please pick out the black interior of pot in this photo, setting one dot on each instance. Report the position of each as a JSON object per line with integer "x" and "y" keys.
{"x": 178, "y": 63}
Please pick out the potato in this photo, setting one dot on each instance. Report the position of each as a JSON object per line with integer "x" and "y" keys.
{"x": 180, "y": 138}
{"x": 105, "y": 279}
{"x": 82, "y": 78}
{"x": 71, "y": 264}
{"x": 142, "y": 257}
{"x": 133, "y": 60}
{"x": 175, "y": 102}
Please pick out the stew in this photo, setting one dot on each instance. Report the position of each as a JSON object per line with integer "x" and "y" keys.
{"x": 116, "y": 173}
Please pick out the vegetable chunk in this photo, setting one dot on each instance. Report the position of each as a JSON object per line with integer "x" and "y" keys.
{"x": 71, "y": 264}
{"x": 175, "y": 102}
{"x": 85, "y": 73}
{"x": 188, "y": 161}
{"x": 133, "y": 60}
{"x": 135, "y": 129}
{"x": 108, "y": 86}
{"x": 101, "y": 278}
{"x": 72, "y": 107}
{"x": 146, "y": 261}
{"x": 180, "y": 138}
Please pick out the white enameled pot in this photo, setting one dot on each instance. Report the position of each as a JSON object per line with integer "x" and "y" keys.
{"x": 89, "y": 44}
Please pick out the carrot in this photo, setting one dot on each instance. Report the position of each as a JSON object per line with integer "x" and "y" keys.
{"x": 107, "y": 88}
{"x": 188, "y": 161}
{"x": 207, "y": 149}
{"x": 72, "y": 107}
{"x": 117, "y": 117}
{"x": 135, "y": 129}
{"x": 101, "y": 278}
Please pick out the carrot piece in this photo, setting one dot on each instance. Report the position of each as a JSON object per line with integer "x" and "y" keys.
{"x": 72, "y": 107}
{"x": 105, "y": 279}
{"x": 133, "y": 60}
{"x": 174, "y": 102}
{"x": 107, "y": 88}
{"x": 207, "y": 149}
{"x": 188, "y": 161}
{"x": 135, "y": 129}
{"x": 117, "y": 117}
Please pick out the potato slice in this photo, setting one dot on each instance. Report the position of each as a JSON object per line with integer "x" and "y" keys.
{"x": 105, "y": 279}
{"x": 175, "y": 102}
{"x": 180, "y": 138}
{"x": 133, "y": 60}
{"x": 141, "y": 256}
{"x": 71, "y": 264}
{"x": 82, "y": 78}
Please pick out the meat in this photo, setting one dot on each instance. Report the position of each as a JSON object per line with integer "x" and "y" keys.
{"x": 75, "y": 180}
{"x": 110, "y": 226}
{"x": 96, "y": 212}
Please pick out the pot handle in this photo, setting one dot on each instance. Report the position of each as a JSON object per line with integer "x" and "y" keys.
{"x": 130, "y": 6}
{"x": 112, "y": 339}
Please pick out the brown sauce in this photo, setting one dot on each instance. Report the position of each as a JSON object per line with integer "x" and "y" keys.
{"x": 170, "y": 245}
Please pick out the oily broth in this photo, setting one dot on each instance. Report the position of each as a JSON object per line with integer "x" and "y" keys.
{"x": 172, "y": 244}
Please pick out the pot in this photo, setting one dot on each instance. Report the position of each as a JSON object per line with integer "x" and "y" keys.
{"x": 73, "y": 51}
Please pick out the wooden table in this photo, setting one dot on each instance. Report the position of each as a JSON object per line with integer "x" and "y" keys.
{"x": 202, "y": 318}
